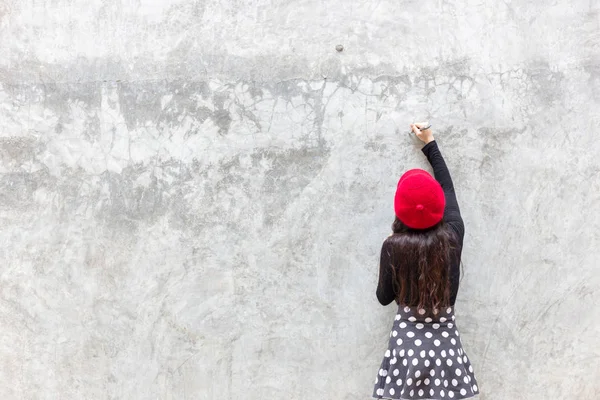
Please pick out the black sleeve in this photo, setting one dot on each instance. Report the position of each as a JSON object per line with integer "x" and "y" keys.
{"x": 385, "y": 288}
{"x": 442, "y": 175}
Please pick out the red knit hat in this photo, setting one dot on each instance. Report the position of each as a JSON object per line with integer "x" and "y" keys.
{"x": 419, "y": 202}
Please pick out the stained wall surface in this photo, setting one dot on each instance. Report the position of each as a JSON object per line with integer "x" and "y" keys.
{"x": 193, "y": 194}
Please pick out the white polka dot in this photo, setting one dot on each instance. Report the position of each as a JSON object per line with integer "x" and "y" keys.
{"x": 437, "y": 382}
{"x": 410, "y": 334}
{"x": 438, "y": 362}
{"x": 459, "y": 360}
{"x": 456, "y": 333}
{"x": 451, "y": 352}
{"x": 474, "y": 388}
{"x": 421, "y": 311}
{"x": 406, "y": 309}
{"x": 418, "y": 342}
{"x": 428, "y": 320}
{"x": 428, "y": 335}
{"x": 401, "y": 353}
{"x": 404, "y": 362}
{"x": 469, "y": 376}
{"x": 412, "y": 319}
{"x": 449, "y": 362}
{"x": 415, "y": 361}
{"x": 410, "y": 352}
{"x": 384, "y": 372}
{"x": 420, "y": 326}
{"x": 466, "y": 379}
{"x": 399, "y": 382}
{"x": 393, "y": 361}
{"x": 443, "y": 373}
{"x": 423, "y": 353}
{"x": 394, "y": 333}
{"x": 409, "y": 381}
{"x": 436, "y": 342}
{"x": 431, "y": 353}
{"x": 427, "y": 363}
{"x": 402, "y": 325}
{"x": 454, "y": 382}
{"x": 442, "y": 320}
{"x": 431, "y": 392}
{"x": 399, "y": 342}
{"x": 470, "y": 368}
{"x": 450, "y": 394}
{"x": 453, "y": 318}
{"x": 458, "y": 372}
{"x": 412, "y": 393}
{"x": 453, "y": 341}
{"x": 398, "y": 317}
{"x": 392, "y": 391}
{"x": 446, "y": 382}
{"x": 443, "y": 353}
{"x": 444, "y": 334}
{"x": 450, "y": 325}
{"x": 435, "y": 326}
{"x": 380, "y": 392}
{"x": 463, "y": 391}
{"x": 448, "y": 310}
{"x": 376, "y": 380}
{"x": 388, "y": 380}
{"x": 432, "y": 372}
{"x": 465, "y": 358}
{"x": 396, "y": 372}
{"x": 421, "y": 392}
{"x": 394, "y": 352}
{"x": 417, "y": 374}
{"x": 387, "y": 353}
{"x": 381, "y": 372}
{"x": 442, "y": 393}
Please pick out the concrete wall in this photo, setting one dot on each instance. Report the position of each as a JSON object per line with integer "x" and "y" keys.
{"x": 193, "y": 194}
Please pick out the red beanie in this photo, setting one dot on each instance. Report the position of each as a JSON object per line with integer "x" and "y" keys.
{"x": 419, "y": 202}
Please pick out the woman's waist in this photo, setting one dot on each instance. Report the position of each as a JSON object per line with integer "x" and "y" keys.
{"x": 425, "y": 315}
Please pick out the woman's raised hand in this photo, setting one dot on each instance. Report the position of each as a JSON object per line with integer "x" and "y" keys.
{"x": 425, "y": 135}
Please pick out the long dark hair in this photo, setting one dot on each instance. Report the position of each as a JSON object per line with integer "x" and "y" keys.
{"x": 421, "y": 264}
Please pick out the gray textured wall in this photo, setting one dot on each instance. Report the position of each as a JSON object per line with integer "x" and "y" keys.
{"x": 193, "y": 194}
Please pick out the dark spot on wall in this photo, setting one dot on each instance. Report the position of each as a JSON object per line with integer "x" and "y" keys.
{"x": 376, "y": 144}
{"x": 255, "y": 91}
{"x": 546, "y": 83}
{"x": 17, "y": 189}
{"x": 222, "y": 119}
{"x": 16, "y": 150}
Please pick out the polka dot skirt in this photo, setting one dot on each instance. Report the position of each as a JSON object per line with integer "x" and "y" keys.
{"x": 425, "y": 359}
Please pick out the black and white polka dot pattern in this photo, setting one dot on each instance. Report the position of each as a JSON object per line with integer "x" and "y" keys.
{"x": 425, "y": 358}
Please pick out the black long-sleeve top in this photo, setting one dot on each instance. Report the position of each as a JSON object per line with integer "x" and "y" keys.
{"x": 385, "y": 289}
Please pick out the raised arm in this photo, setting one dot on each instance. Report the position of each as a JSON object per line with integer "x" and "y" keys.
{"x": 440, "y": 170}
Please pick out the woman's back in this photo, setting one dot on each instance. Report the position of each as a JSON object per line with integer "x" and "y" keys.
{"x": 397, "y": 252}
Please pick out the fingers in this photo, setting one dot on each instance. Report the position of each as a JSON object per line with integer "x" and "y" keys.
{"x": 415, "y": 129}
{"x": 421, "y": 125}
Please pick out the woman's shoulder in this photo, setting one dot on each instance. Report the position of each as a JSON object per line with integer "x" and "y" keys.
{"x": 387, "y": 243}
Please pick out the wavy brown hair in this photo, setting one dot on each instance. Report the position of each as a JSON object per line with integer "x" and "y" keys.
{"x": 421, "y": 264}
